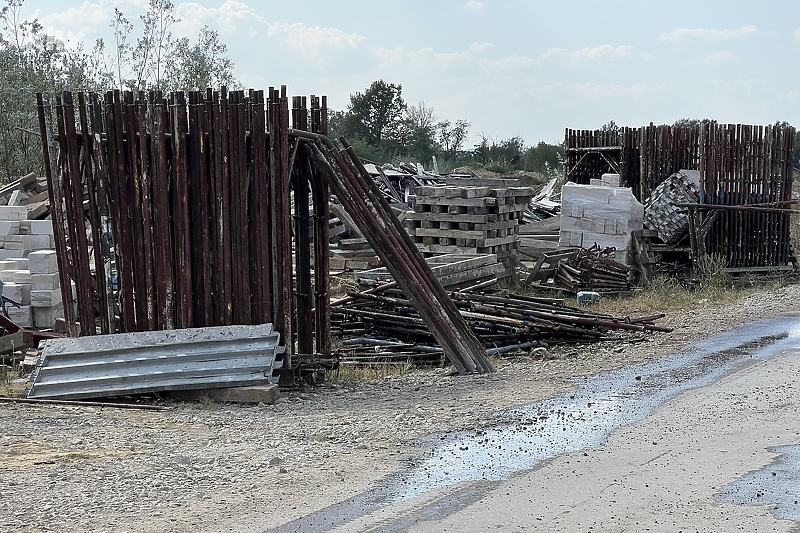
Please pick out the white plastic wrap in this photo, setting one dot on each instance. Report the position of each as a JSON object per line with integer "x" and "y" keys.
{"x": 605, "y": 216}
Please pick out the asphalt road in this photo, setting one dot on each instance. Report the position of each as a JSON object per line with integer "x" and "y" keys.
{"x": 665, "y": 473}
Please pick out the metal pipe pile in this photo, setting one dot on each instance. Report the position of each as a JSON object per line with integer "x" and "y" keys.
{"x": 592, "y": 269}
{"x": 381, "y": 325}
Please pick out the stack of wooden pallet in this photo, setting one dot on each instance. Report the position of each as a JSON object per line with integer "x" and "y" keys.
{"x": 467, "y": 219}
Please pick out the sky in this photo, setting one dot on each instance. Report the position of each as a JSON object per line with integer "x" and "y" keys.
{"x": 510, "y": 68}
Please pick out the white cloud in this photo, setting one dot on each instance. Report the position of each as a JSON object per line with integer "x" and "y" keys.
{"x": 314, "y": 42}
{"x": 89, "y": 21}
{"x": 227, "y": 18}
{"x": 552, "y": 53}
{"x": 475, "y": 5}
{"x": 595, "y": 92}
{"x": 606, "y": 51}
{"x": 682, "y": 34}
{"x": 479, "y": 48}
{"x": 720, "y": 57}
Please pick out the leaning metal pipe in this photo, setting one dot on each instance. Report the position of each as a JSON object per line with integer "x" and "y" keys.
{"x": 414, "y": 283}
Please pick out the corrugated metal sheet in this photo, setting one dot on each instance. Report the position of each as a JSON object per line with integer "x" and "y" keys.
{"x": 133, "y": 363}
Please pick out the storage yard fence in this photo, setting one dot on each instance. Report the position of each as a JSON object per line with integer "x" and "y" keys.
{"x": 208, "y": 209}
{"x": 746, "y": 177}
{"x": 176, "y": 212}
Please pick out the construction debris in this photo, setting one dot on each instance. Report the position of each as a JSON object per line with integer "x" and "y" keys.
{"x": 546, "y": 203}
{"x": 383, "y": 326}
{"x": 29, "y": 191}
{"x": 660, "y": 211}
{"x": 592, "y": 269}
{"x": 452, "y": 270}
{"x": 133, "y": 363}
{"x": 365, "y": 202}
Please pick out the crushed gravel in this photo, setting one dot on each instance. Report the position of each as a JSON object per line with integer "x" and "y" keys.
{"x": 218, "y": 467}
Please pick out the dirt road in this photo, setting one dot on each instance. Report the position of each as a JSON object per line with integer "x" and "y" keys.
{"x": 218, "y": 467}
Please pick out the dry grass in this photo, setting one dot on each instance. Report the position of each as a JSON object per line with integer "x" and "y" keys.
{"x": 8, "y": 388}
{"x": 355, "y": 373}
{"x": 713, "y": 286}
{"x": 341, "y": 284}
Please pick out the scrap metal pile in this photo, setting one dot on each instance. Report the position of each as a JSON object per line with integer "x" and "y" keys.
{"x": 592, "y": 269}
{"x": 380, "y": 325}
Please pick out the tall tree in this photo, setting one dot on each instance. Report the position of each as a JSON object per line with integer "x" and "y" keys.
{"x": 451, "y": 136}
{"x": 544, "y": 157}
{"x": 155, "y": 46}
{"x": 417, "y": 132}
{"x": 375, "y": 114}
{"x": 203, "y": 64}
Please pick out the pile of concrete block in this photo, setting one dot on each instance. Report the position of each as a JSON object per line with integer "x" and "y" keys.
{"x": 469, "y": 220}
{"x": 29, "y": 269}
{"x": 660, "y": 213}
{"x": 598, "y": 215}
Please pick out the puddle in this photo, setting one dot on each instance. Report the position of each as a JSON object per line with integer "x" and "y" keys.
{"x": 528, "y": 436}
{"x": 775, "y": 485}
{"x": 533, "y": 434}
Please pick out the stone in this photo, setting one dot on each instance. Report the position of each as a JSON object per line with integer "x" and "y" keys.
{"x": 21, "y": 316}
{"x": 44, "y": 281}
{"x": 43, "y": 262}
{"x": 18, "y": 292}
{"x": 45, "y": 298}
{"x": 46, "y": 317}
{"x": 22, "y": 276}
{"x": 36, "y": 242}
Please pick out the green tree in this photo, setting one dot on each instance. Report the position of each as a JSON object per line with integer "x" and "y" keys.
{"x": 417, "y": 132}
{"x": 544, "y": 157}
{"x": 31, "y": 61}
{"x": 203, "y": 64}
{"x": 451, "y": 136}
{"x": 374, "y": 115}
{"x": 506, "y": 154}
{"x": 155, "y": 46}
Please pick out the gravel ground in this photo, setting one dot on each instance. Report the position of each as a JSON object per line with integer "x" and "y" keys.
{"x": 216, "y": 467}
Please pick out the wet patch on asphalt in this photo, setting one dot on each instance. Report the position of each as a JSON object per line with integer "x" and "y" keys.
{"x": 776, "y": 485}
{"x": 464, "y": 462}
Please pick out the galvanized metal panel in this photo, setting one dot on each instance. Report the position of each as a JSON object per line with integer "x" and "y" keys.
{"x": 134, "y": 363}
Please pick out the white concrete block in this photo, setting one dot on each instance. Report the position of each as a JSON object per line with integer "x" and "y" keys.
{"x": 22, "y": 263}
{"x": 36, "y": 227}
{"x": 9, "y": 254}
{"x": 15, "y": 212}
{"x": 35, "y": 242}
{"x": 45, "y": 298}
{"x": 13, "y": 242}
{"x": 21, "y": 316}
{"x": 7, "y": 264}
{"x": 45, "y": 317}
{"x": 7, "y": 276}
{"x": 22, "y": 277}
{"x": 9, "y": 227}
{"x": 45, "y": 282}
{"x": 19, "y": 292}
{"x": 43, "y": 262}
